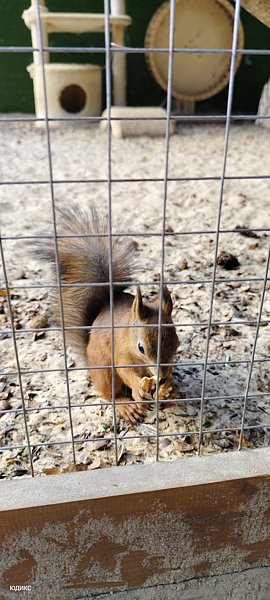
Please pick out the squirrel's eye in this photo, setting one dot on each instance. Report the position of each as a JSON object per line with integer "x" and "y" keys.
{"x": 140, "y": 348}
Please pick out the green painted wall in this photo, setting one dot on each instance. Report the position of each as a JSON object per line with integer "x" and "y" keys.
{"x": 16, "y": 86}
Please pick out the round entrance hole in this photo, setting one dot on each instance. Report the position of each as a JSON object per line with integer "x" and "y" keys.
{"x": 73, "y": 98}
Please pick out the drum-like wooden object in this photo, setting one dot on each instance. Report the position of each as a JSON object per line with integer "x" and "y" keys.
{"x": 198, "y": 24}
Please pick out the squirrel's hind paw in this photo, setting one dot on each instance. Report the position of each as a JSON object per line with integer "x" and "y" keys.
{"x": 132, "y": 412}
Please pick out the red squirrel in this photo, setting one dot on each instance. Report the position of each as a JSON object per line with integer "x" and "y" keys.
{"x": 84, "y": 260}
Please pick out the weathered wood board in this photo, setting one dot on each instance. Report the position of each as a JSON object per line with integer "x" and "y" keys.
{"x": 133, "y": 527}
{"x": 264, "y": 107}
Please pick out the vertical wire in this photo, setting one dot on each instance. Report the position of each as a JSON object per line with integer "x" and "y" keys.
{"x": 16, "y": 356}
{"x": 165, "y": 196}
{"x": 58, "y": 276}
{"x": 222, "y": 180}
{"x": 109, "y": 141}
{"x": 256, "y": 335}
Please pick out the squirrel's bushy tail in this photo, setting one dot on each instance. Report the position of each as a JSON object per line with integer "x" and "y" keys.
{"x": 86, "y": 260}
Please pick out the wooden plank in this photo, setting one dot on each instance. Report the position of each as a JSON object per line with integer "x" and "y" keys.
{"x": 65, "y": 22}
{"x": 259, "y": 9}
{"x": 253, "y": 584}
{"x": 264, "y": 107}
{"x": 85, "y": 485}
{"x": 135, "y": 527}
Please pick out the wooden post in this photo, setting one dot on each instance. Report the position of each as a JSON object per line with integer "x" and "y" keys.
{"x": 183, "y": 107}
{"x": 119, "y": 68}
{"x": 264, "y": 107}
{"x": 118, "y": 58}
{"x": 35, "y": 33}
{"x": 118, "y": 7}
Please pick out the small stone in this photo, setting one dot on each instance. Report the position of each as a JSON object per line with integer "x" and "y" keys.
{"x": 242, "y": 199}
{"x": 20, "y": 275}
{"x": 17, "y": 323}
{"x": 164, "y": 442}
{"x": 70, "y": 362}
{"x": 5, "y": 394}
{"x": 243, "y": 230}
{"x": 227, "y": 261}
{"x": 40, "y": 321}
{"x": 5, "y": 405}
{"x": 183, "y": 264}
{"x": 134, "y": 244}
{"x": 235, "y": 284}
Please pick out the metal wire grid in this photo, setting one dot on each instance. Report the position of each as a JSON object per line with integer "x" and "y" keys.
{"x": 228, "y": 118}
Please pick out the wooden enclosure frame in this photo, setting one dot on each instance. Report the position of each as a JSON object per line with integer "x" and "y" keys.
{"x": 135, "y": 528}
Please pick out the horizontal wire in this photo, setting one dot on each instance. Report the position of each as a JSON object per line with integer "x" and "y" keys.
{"x": 130, "y": 401}
{"x": 47, "y": 236}
{"x": 201, "y": 324}
{"x": 168, "y": 282}
{"x": 137, "y": 180}
{"x": 139, "y": 365}
{"x": 173, "y": 117}
{"x": 129, "y": 50}
{"x": 134, "y": 437}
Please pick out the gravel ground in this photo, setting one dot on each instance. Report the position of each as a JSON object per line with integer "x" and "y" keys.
{"x": 81, "y": 153}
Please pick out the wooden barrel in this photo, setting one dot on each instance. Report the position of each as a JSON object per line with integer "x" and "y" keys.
{"x": 198, "y": 24}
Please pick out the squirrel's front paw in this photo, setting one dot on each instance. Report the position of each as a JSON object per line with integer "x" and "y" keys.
{"x": 164, "y": 390}
{"x": 149, "y": 384}
{"x": 132, "y": 412}
{"x": 147, "y": 388}
{"x": 168, "y": 393}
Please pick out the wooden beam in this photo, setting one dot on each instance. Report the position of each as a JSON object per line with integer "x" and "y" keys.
{"x": 264, "y": 107}
{"x": 259, "y": 9}
{"x": 135, "y": 527}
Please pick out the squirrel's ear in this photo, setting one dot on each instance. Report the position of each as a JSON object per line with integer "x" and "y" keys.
{"x": 167, "y": 304}
{"x": 137, "y": 306}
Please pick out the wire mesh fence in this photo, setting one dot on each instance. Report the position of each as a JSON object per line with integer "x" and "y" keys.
{"x": 211, "y": 283}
